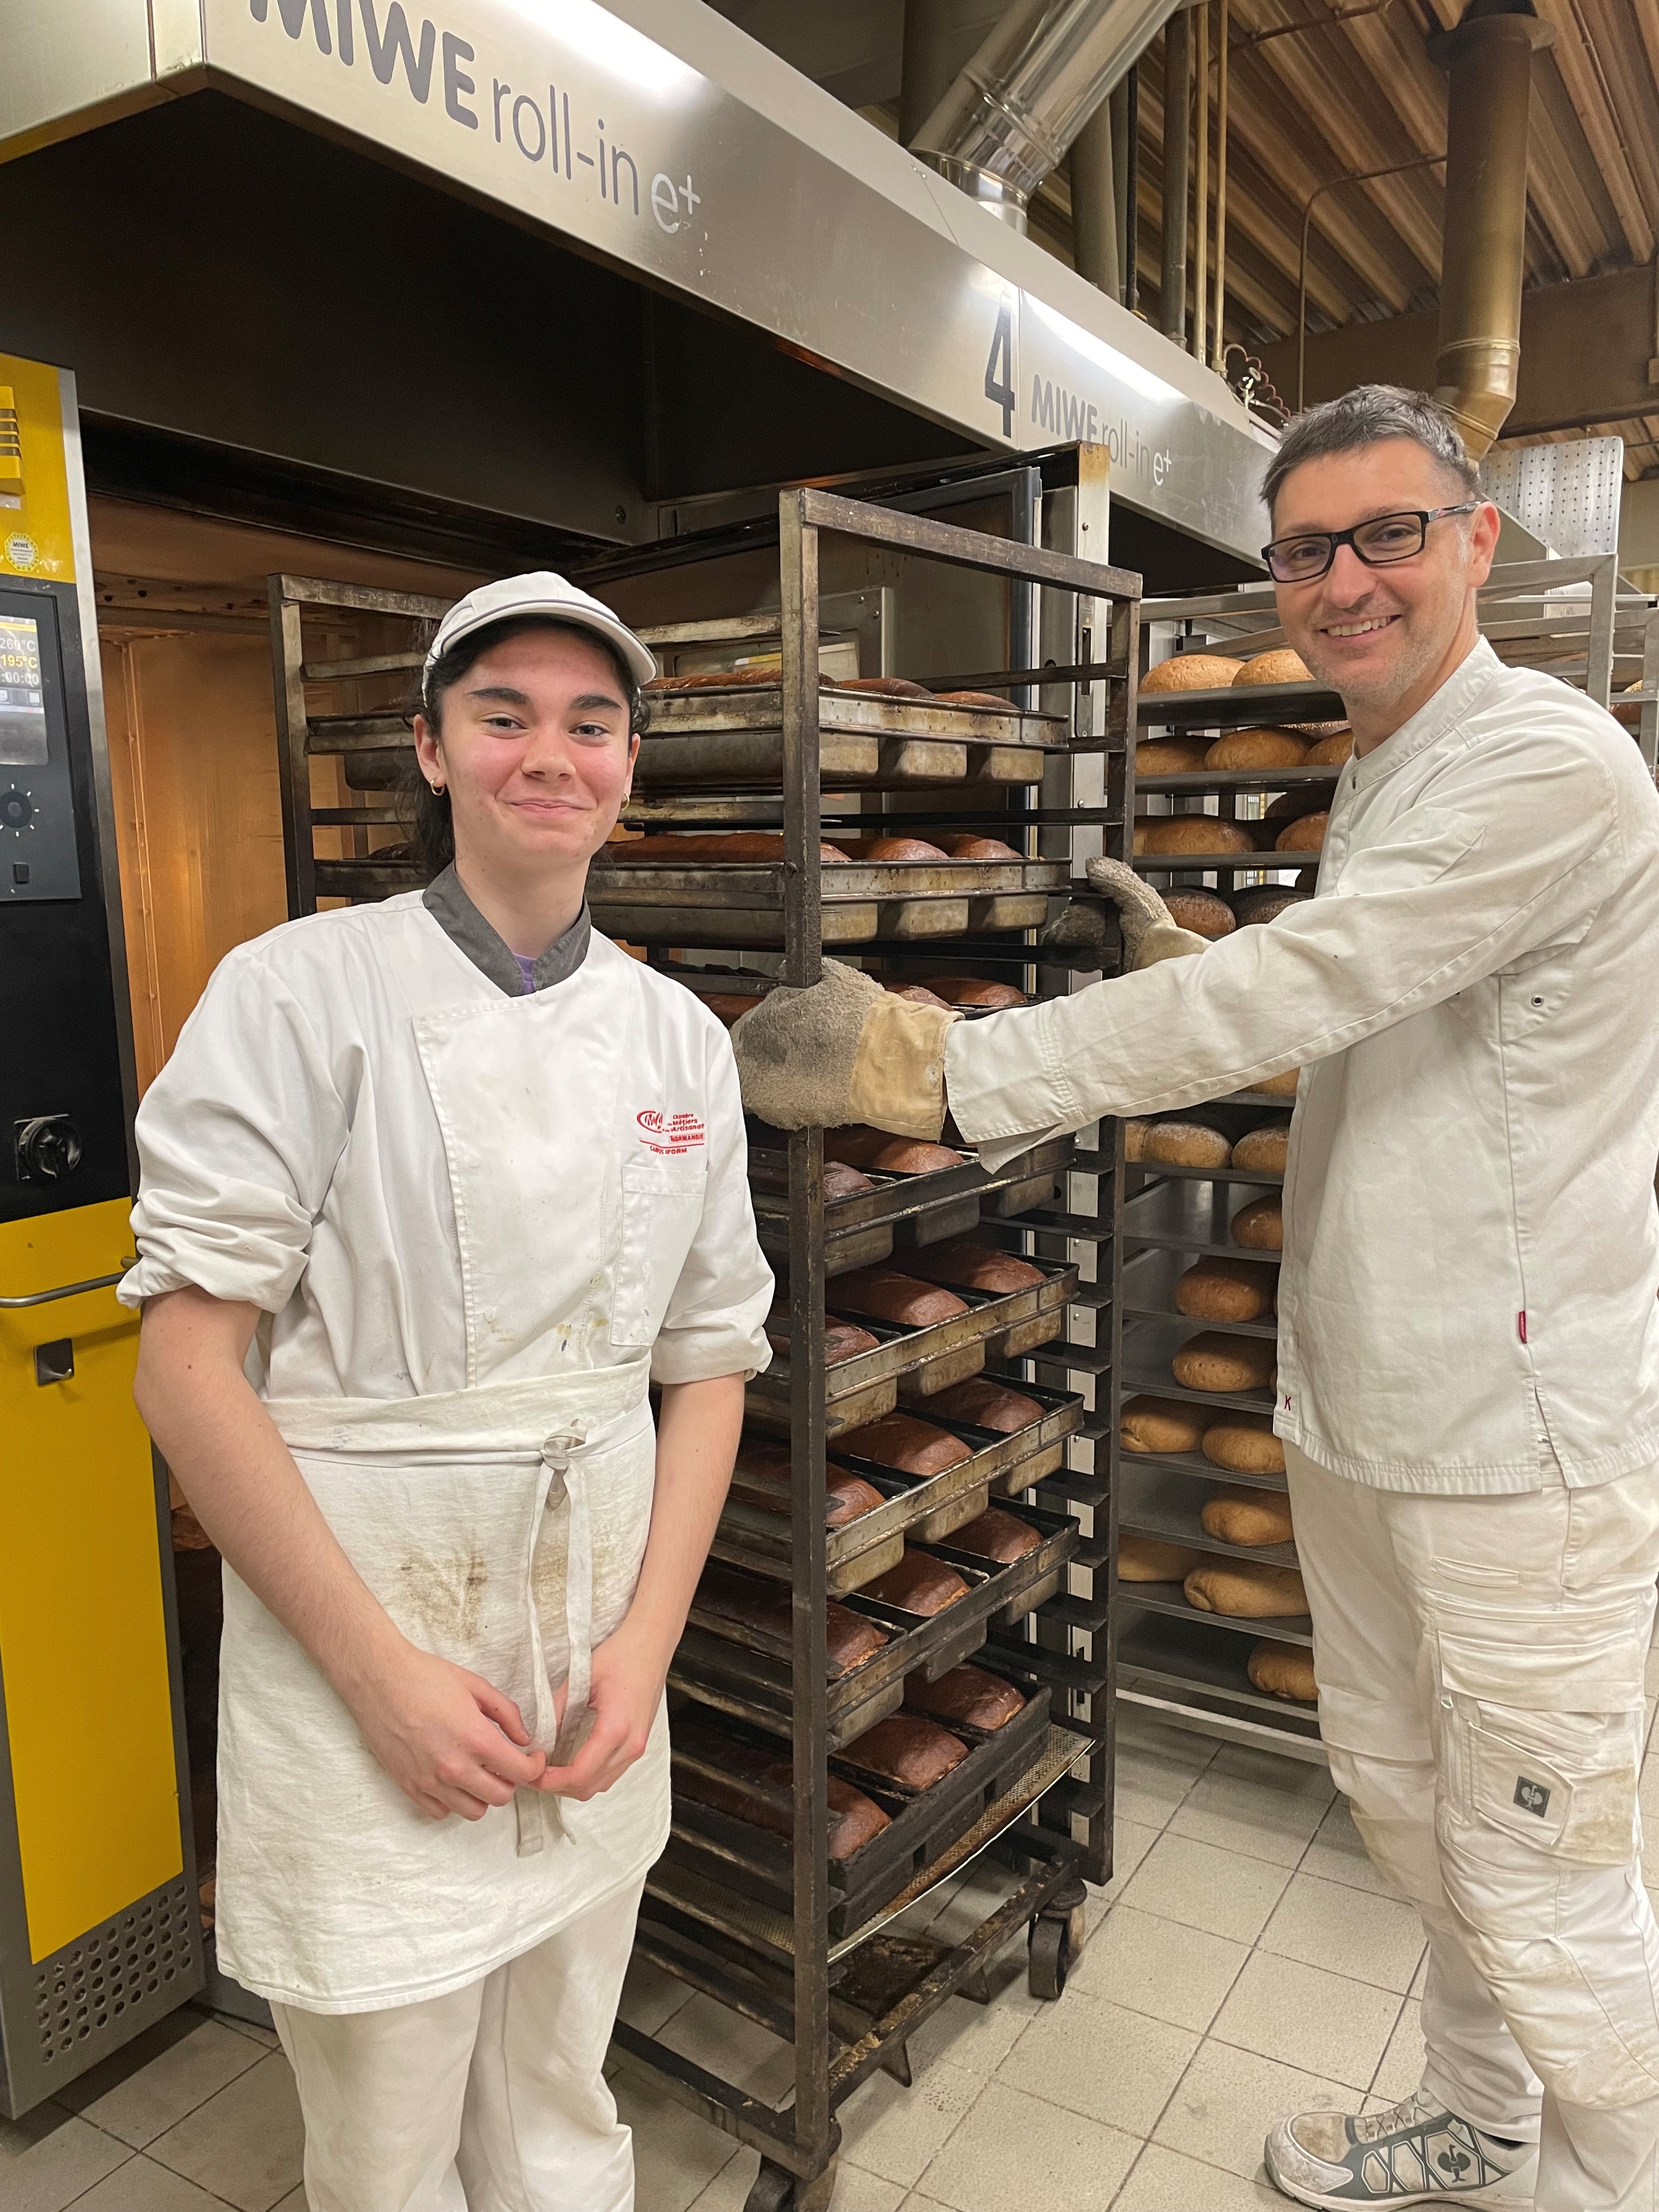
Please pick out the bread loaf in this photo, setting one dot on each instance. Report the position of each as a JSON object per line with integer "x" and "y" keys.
{"x": 1256, "y": 748}
{"x": 1202, "y": 912}
{"x": 1247, "y": 1517}
{"x": 1334, "y": 751}
{"x": 976, "y": 1267}
{"x": 968, "y": 848}
{"x": 1264, "y": 1150}
{"x": 1266, "y": 904}
{"x": 718, "y": 679}
{"x": 975, "y": 991}
{"x": 1150, "y": 1559}
{"x": 761, "y": 1478}
{"x": 918, "y": 1584}
{"x": 901, "y": 849}
{"x": 1260, "y": 1227}
{"x": 1244, "y": 1444}
{"x": 890, "y": 1295}
{"x": 854, "y": 1817}
{"x": 908, "y": 1749}
{"x": 729, "y": 1006}
{"x": 1185, "y": 1145}
{"x": 902, "y": 1441}
{"x": 850, "y": 1639}
{"x": 1190, "y": 833}
{"x": 986, "y": 1404}
{"x": 695, "y": 849}
{"x": 918, "y": 994}
{"x": 1226, "y": 1290}
{"x": 1171, "y": 756}
{"x": 1306, "y": 835}
{"x": 1278, "y": 1086}
{"x": 969, "y": 1697}
{"x": 1292, "y": 806}
{"x": 1245, "y": 1591}
{"x": 1213, "y": 1361}
{"x": 1191, "y": 672}
{"x": 842, "y": 1339}
{"x": 874, "y": 1148}
{"x": 841, "y": 1182}
{"x": 1135, "y": 1140}
{"x": 1282, "y": 666}
{"x": 1284, "y": 1670}
{"x": 1160, "y": 1425}
{"x": 885, "y": 687}
{"x": 974, "y": 699}
{"x": 996, "y": 1535}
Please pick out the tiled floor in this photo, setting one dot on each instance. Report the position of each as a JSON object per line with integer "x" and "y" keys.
{"x": 1245, "y": 1962}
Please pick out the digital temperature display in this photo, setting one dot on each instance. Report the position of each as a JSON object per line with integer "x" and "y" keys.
{"x": 22, "y": 703}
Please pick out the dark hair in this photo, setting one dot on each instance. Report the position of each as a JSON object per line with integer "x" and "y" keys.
{"x": 431, "y": 825}
{"x": 1364, "y": 417}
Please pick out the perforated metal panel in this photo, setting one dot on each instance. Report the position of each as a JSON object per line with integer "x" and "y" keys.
{"x": 1567, "y": 495}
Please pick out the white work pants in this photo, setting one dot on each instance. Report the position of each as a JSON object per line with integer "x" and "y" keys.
{"x": 1481, "y": 1665}
{"x": 489, "y": 2099}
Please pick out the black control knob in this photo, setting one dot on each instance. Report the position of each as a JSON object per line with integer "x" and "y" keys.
{"x": 46, "y": 1148}
{"x": 16, "y": 809}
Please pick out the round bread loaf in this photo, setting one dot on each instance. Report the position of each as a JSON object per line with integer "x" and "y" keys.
{"x": 1135, "y": 1140}
{"x": 1226, "y": 1290}
{"x": 908, "y": 1749}
{"x": 1244, "y": 1444}
{"x": 1290, "y": 805}
{"x": 986, "y": 1404}
{"x": 1213, "y": 1361}
{"x": 1245, "y": 1589}
{"x": 890, "y": 1295}
{"x": 1278, "y": 1086}
{"x": 1263, "y": 1151}
{"x": 967, "y": 847}
{"x": 1256, "y": 748}
{"x": 975, "y": 991}
{"x": 1247, "y": 1517}
{"x": 918, "y": 1584}
{"x": 883, "y": 687}
{"x": 1266, "y": 902}
{"x": 1189, "y": 833}
{"x": 873, "y": 1148}
{"x": 1305, "y": 835}
{"x": 729, "y": 1006}
{"x": 1171, "y": 756}
{"x": 995, "y": 1536}
{"x": 968, "y": 1696}
{"x": 898, "y": 849}
{"x": 917, "y": 994}
{"x": 1179, "y": 1144}
{"x": 1202, "y": 912}
{"x": 1260, "y": 1227}
{"x": 1284, "y": 1670}
{"x": 841, "y": 1182}
{"x": 1191, "y": 672}
{"x": 1150, "y": 1559}
{"x": 1282, "y": 666}
{"x": 1160, "y": 1425}
{"x": 975, "y": 1267}
{"x": 1333, "y": 751}
{"x": 910, "y": 1446}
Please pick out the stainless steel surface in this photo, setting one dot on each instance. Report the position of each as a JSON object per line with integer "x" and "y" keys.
{"x": 1021, "y": 98}
{"x": 1483, "y": 252}
{"x": 1094, "y": 203}
{"x": 1567, "y": 495}
{"x": 65, "y": 1291}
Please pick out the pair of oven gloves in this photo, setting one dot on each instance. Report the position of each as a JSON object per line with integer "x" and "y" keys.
{"x": 845, "y": 1050}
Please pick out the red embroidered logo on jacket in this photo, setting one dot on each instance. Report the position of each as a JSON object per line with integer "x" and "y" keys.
{"x": 670, "y": 1132}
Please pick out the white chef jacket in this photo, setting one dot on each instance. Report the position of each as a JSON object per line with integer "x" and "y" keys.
{"x": 1471, "y": 1246}
{"x": 303, "y": 1150}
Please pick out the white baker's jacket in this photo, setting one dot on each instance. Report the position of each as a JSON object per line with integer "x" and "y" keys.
{"x": 476, "y": 1225}
{"x": 1471, "y": 1246}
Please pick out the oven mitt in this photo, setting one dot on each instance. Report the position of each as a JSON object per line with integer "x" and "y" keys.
{"x": 844, "y": 1050}
{"x": 1149, "y": 933}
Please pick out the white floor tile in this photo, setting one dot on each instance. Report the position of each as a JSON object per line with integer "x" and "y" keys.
{"x": 1402, "y": 2070}
{"x": 975, "y": 2037}
{"x": 1109, "y": 2063}
{"x": 246, "y": 2144}
{"x": 1130, "y": 1844}
{"x": 676, "y": 2153}
{"x": 1227, "y": 2099}
{"x": 1222, "y": 1892}
{"x": 1132, "y": 1961}
{"x": 1165, "y": 2181}
{"x": 1307, "y": 2018}
{"x": 164, "y": 2075}
{"x": 996, "y": 2159}
{"x": 141, "y": 2185}
{"x": 1250, "y": 1801}
{"x": 859, "y": 2191}
{"x": 894, "y": 2132}
{"x": 1336, "y": 1854}
{"x": 737, "y": 2050}
{"x": 650, "y": 1997}
{"x": 1370, "y": 1939}
{"x": 48, "y": 2158}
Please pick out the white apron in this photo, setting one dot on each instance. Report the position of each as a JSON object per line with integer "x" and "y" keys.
{"x": 501, "y": 1526}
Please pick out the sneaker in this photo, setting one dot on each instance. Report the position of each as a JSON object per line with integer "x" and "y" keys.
{"x": 1414, "y": 2153}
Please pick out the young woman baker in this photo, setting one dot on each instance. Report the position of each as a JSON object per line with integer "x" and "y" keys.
{"x": 431, "y": 1191}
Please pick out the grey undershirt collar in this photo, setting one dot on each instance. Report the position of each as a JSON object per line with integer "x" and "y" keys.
{"x": 462, "y": 923}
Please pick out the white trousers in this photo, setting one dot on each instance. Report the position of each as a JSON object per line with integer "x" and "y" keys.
{"x": 1480, "y": 1663}
{"x": 489, "y": 2100}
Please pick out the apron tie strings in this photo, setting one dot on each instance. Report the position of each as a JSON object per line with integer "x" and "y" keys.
{"x": 562, "y": 1470}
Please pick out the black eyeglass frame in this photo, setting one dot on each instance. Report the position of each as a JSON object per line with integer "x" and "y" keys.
{"x": 1423, "y": 516}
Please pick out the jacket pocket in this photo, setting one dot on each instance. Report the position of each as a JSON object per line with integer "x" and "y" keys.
{"x": 662, "y": 1203}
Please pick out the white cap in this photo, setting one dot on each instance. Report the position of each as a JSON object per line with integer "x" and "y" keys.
{"x": 541, "y": 592}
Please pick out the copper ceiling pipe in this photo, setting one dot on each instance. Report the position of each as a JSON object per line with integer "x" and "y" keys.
{"x": 1483, "y": 259}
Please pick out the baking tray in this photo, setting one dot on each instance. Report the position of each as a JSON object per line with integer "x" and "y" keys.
{"x": 1199, "y": 782}
{"x": 1149, "y": 1287}
{"x": 1257, "y": 706}
{"x": 1157, "y": 1652}
{"x": 1149, "y": 1345}
{"x": 748, "y": 1674}
{"x": 1154, "y": 1502}
{"x": 758, "y": 707}
{"x": 1000, "y": 1466}
{"x": 924, "y": 1824}
{"x": 1170, "y": 1598}
{"x": 914, "y": 1202}
{"x": 1187, "y": 1216}
{"x": 1194, "y": 1466}
{"x": 1234, "y": 864}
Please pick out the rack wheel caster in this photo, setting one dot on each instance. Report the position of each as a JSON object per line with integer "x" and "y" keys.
{"x": 1050, "y": 1957}
{"x": 776, "y": 2189}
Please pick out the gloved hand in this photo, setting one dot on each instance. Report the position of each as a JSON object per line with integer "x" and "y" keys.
{"x": 844, "y": 1050}
{"x": 1149, "y": 933}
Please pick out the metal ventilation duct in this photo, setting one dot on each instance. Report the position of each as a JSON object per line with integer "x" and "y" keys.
{"x": 1483, "y": 259}
{"x": 1017, "y": 106}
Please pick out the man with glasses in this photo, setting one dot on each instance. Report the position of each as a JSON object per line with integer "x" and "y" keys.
{"x": 1468, "y": 1353}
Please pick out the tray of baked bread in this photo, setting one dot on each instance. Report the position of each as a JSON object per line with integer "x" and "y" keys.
{"x": 1198, "y": 1216}
{"x": 1159, "y": 1652}
{"x": 1229, "y": 1520}
{"x": 1198, "y": 1364}
{"x": 1236, "y": 1293}
{"x": 1231, "y": 1144}
{"x": 924, "y": 1615}
{"x": 896, "y": 1477}
{"x": 900, "y": 1794}
{"x": 884, "y": 1323}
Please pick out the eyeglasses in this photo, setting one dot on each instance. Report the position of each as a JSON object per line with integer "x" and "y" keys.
{"x": 1385, "y": 538}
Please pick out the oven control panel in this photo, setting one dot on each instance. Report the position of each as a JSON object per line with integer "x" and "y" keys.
{"x": 37, "y": 805}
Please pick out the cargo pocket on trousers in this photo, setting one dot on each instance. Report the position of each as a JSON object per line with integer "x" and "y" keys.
{"x": 662, "y": 1203}
{"x": 1563, "y": 1783}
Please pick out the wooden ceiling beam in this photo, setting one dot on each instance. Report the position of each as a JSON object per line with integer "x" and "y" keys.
{"x": 1564, "y": 180}
{"x": 1626, "y": 81}
{"x": 1572, "y": 56}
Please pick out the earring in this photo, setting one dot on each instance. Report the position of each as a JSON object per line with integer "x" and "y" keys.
{"x": 437, "y": 790}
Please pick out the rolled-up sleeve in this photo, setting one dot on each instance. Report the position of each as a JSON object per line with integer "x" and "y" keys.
{"x": 716, "y": 1317}
{"x": 238, "y": 1138}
